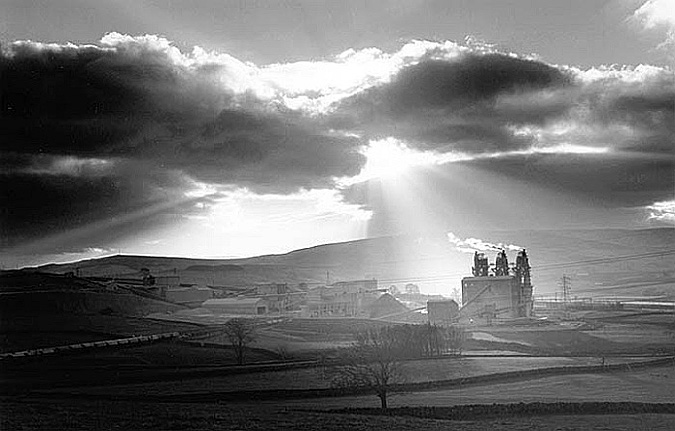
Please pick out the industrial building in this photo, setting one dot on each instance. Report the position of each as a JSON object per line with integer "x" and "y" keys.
{"x": 342, "y": 299}
{"x": 188, "y": 294}
{"x": 279, "y": 297}
{"x": 443, "y": 312}
{"x": 498, "y": 292}
{"x": 236, "y": 306}
{"x": 167, "y": 281}
{"x": 360, "y": 298}
{"x": 271, "y": 289}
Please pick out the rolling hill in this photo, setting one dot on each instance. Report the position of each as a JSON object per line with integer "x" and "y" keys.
{"x": 601, "y": 262}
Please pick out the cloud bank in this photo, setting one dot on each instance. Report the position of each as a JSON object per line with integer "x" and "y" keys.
{"x": 99, "y": 131}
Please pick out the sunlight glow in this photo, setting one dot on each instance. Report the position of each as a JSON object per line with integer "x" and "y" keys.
{"x": 389, "y": 158}
{"x": 654, "y": 13}
{"x": 565, "y": 149}
{"x": 240, "y": 223}
{"x": 662, "y": 211}
{"x": 201, "y": 190}
{"x": 71, "y": 166}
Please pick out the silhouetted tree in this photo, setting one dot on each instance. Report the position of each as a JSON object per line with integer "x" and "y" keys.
{"x": 372, "y": 363}
{"x": 240, "y": 333}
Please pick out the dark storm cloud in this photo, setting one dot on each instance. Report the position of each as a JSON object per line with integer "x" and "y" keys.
{"x": 613, "y": 181}
{"x": 468, "y": 80}
{"x": 48, "y": 195}
{"x": 76, "y": 119}
{"x": 607, "y": 180}
{"x": 456, "y": 101}
{"x": 479, "y": 103}
{"x": 87, "y": 99}
{"x": 645, "y": 110}
{"x": 140, "y": 100}
{"x": 268, "y": 152}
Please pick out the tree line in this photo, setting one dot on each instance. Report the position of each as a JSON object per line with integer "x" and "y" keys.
{"x": 414, "y": 341}
{"x": 373, "y": 362}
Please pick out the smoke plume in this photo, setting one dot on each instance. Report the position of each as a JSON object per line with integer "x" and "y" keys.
{"x": 471, "y": 245}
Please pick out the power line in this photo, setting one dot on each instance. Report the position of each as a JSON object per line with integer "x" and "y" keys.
{"x": 596, "y": 289}
{"x": 552, "y": 266}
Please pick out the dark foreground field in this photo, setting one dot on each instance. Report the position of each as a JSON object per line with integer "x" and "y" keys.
{"x": 194, "y": 384}
{"x": 96, "y": 415}
{"x": 573, "y": 402}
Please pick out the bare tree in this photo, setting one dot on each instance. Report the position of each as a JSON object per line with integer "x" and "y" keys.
{"x": 372, "y": 363}
{"x": 240, "y": 332}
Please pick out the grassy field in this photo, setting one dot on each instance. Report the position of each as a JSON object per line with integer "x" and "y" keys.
{"x": 92, "y": 373}
{"x": 22, "y": 332}
{"x": 642, "y": 335}
{"x": 648, "y": 330}
{"x": 599, "y": 334}
{"x": 158, "y": 361}
{"x": 169, "y": 367}
{"x": 169, "y": 353}
{"x": 318, "y": 377}
{"x": 594, "y": 333}
{"x": 302, "y": 338}
{"x": 89, "y": 415}
{"x": 653, "y": 385}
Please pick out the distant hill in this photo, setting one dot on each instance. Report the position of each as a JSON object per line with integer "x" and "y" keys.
{"x": 599, "y": 261}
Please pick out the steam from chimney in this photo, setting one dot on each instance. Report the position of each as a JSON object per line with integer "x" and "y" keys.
{"x": 471, "y": 245}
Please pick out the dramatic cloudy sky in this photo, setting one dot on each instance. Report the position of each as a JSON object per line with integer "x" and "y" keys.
{"x": 235, "y": 128}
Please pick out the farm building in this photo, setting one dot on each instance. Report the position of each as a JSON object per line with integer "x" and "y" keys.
{"x": 442, "y": 312}
{"x": 236, "y": 305}
{"x": 501, "y": 292}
